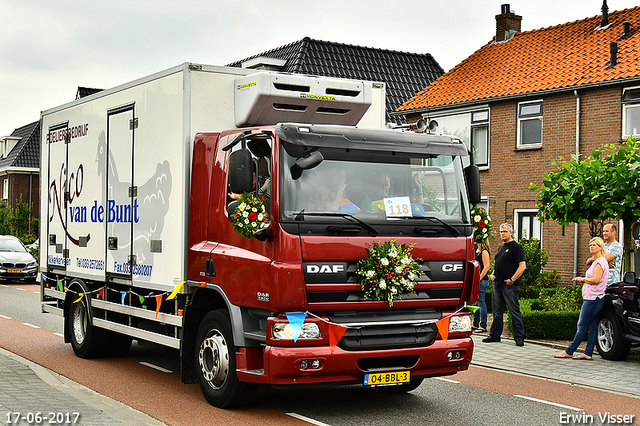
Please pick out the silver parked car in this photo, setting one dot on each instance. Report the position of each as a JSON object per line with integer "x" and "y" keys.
{"x": 16, "y": 263}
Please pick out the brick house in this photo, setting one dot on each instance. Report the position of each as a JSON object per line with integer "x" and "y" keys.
{"x": 404, "y": 74}
{"x": 20, "y": 167}
{"x": 528, "y": 97}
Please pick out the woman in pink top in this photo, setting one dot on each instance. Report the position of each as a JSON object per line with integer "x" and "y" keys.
{"x": 593, "y": 285}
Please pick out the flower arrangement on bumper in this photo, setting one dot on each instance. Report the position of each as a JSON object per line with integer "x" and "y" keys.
{"x": 389, "y": 271}
{"x": 481, "y": 224}
{"x": 250, "y": 216}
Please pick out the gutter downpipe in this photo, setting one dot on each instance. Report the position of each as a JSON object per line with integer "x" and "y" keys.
{"x": 575, "y": 233}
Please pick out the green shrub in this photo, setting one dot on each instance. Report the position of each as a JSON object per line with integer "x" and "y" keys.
{"x": 536, "y": 258}
{"x": 548, "y": 279}
{"x": 559, "y": 325}
{"x": 561, "y": 299}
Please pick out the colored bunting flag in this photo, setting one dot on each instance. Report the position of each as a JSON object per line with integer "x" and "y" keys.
{"x": 443, "y": 328}
{"x": 336, "y": 332}
{"x": 296, "y": 319}
{"x": 158, "y": 303}
{"x": 176, "y": 290}
{"x": 473, "y": 308}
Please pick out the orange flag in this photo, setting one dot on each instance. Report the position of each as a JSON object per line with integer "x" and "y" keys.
{"x": 101, "y": 292}
{"x": 158, "y": 303}
{"x": 443, "y": 328}
{"x": 335, "y": 334}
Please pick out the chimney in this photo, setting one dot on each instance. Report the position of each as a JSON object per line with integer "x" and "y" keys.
{"x": 626, "y": 25}
{"x": 605, "y": 14}
{"x": 613, "y": 48}
{"x": 507, "y": 24}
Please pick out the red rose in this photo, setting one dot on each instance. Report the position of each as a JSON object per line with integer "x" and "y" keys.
{"x": 482, "y": 224}
{"x": 253, "y": 216}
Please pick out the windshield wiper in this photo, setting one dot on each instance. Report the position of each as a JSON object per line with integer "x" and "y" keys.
{"x": 373, "y": 231}
{"x": 443, "y": 223}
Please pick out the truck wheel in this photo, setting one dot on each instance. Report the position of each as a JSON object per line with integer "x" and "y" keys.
{"x": 87, "y": 341}
{"x": 611, "y": 345}
{"x": 216, "y": 363}
{"x": 412, "y": 385}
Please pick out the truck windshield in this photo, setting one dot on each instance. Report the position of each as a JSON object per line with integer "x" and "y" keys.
{"x": 374, "y": 188}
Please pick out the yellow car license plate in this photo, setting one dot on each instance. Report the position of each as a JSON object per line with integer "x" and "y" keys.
{"x": 15, "y": 271}
{"x": 389, "y": 378}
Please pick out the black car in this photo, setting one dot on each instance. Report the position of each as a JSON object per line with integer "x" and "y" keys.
{"x": 619, "y": 325}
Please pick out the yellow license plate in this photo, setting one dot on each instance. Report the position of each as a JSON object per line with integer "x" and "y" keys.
{"x": 390, "y": 378}
{"x": 15, "y": 271}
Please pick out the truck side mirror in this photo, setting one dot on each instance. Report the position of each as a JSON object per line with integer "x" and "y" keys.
{"x": 472, "y": 176}
{"x": 240, "y": 171}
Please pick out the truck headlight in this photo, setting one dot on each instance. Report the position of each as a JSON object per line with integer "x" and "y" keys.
{"x": 460, "y": 323}
{"x": 282, "y": 330}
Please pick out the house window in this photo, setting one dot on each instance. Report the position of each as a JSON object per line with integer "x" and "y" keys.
{"x": 527, "y": 224}
{"x": 529, "y": 124}
{"x": 5, "y": 189}
{"x": 631, "y": 112}
{"x": 480, "y": 137}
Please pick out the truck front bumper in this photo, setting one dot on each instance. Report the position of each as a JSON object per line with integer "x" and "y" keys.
{"x": 286, "y": 366}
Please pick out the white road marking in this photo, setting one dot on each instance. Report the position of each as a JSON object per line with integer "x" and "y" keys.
{"x": 307, "y": 419}
{"x": 5, "y": 317}
{"x": 157, "y": 367}
{"x": 549, "y": 403}
{"x": 30, "y": 325}
{"x": 446, "y": 380}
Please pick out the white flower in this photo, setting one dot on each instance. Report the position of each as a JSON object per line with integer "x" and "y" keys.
{"x": 411, "y": 276}
{"x": 399, "y": 269}
{"x": 477, "y": 218}
{"x": 370, "y": 274}
{"x": 393, "y": 253}
{"x": 384, "y": 261}
{"x": 242, "y": 206}
{"x": 488, "y": 218}
{"x": 410, "y": 286}
{"x": 245, "y": 214}
{"x": 254, "y": 210}
{"x": 260, "y": 216}
{"x": 393, "y": 290}
{"x": 246, "y": 221}
{"x": 253, "y": 224}
{"x": 484, "y": 230}
{"x": 405, "y": 261}
{"x": 382, "y": 284}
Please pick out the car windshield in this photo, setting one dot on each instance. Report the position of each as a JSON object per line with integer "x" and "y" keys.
{"x": 374, "y": 187}
{"x": 11, "y": 246}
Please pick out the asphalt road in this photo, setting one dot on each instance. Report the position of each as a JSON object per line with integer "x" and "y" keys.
{"x": 476, "y": 397}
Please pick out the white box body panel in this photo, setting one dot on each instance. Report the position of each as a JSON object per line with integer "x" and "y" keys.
{"x": 120, "y": 186}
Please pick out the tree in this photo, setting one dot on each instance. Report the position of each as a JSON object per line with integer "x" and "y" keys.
{"x": 603, "y": 186}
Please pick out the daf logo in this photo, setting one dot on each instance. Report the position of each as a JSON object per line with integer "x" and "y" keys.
{"x": 325, "y": 269}
{"x": 451, "y": 267}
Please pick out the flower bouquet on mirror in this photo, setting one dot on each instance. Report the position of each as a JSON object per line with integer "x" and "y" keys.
{"x": 481, "y": 224}
{"x": 389, "y": 271}
{"x": 250, "y": 216}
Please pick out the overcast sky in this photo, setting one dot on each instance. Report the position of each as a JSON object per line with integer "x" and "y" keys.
{"x": 49, "y": 48}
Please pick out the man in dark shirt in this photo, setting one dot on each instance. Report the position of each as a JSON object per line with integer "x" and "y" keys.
{"x": 509, "y": 267}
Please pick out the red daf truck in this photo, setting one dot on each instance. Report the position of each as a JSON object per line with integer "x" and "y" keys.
{"x": 141, "y": 193}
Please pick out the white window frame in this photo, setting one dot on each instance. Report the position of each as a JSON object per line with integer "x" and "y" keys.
{"x": 5, "y": 188}
{"x": 529, "y": 117}
{"x": 478, "y": 121}
{"x": 517, "y": 214}
{"x": 629, "y": 104}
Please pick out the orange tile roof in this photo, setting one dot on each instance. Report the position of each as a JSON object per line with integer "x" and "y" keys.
{"x": 554, "y": 58}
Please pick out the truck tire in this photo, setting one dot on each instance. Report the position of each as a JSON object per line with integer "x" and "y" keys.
{"x": 87, "y": 341}
{"x": 216, "y": 363}
{"x": 611, "y": 345}
{"x": 412, "y": 385}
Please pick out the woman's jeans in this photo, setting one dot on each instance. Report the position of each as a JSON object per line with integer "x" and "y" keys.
{"x": 480, "y": 316}
{"x": 588, "y": 321}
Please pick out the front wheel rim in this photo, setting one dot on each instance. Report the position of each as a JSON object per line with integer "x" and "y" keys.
{"x": 605, "y": 335}
{"x": 213, "y": 358}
